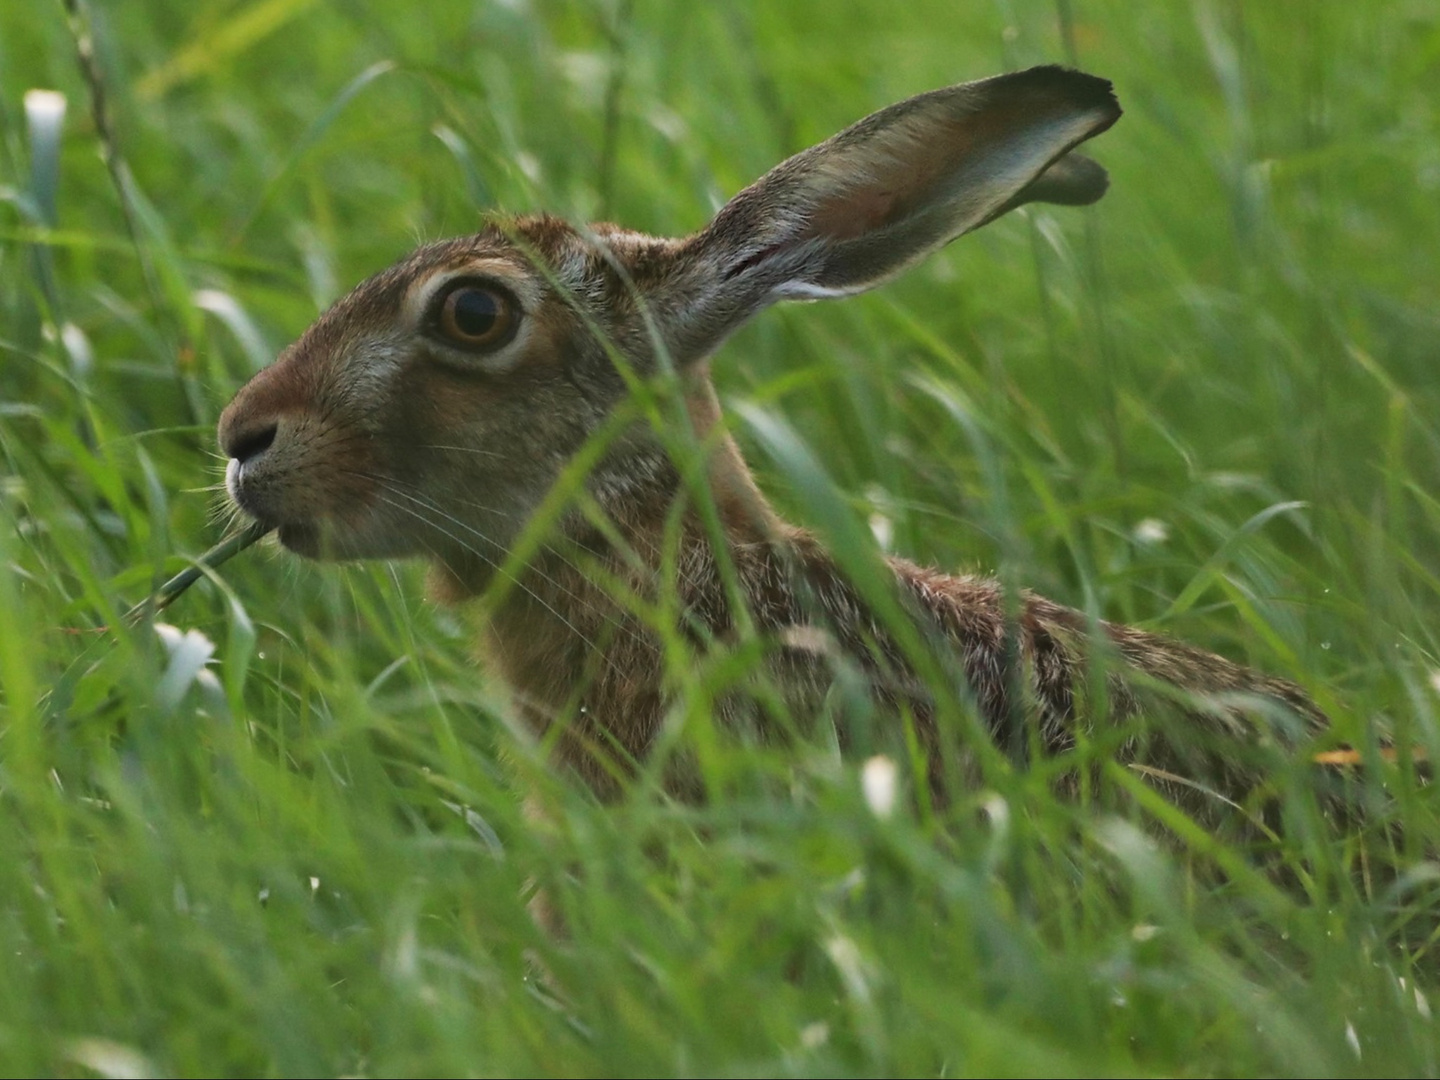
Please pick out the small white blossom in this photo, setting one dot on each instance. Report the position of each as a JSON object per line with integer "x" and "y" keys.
{"x": 814, "y": 1036}
{"x": 878, "y": 780}
{"x": 1151, "y": 531}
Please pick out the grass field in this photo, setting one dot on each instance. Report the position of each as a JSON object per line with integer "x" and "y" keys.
{"x": 286, "y": 837}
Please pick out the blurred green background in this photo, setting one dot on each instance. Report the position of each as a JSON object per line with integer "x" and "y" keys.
{"x": 286, "y": 836}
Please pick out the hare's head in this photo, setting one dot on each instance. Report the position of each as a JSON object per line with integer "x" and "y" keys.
{"x": 428, "y": 412}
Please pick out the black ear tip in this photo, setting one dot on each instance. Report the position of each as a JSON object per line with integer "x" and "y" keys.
{"x": 1079, "y": 88}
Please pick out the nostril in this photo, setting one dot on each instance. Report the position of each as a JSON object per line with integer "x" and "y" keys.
{"x": 244, "y": 445}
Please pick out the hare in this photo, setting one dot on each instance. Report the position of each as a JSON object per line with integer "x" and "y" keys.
{"x": 429, "y": 412}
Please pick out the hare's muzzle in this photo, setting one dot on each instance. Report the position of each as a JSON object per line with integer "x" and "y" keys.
{"x": 304, "y": 453}
{"x": 246, "y": 447}
{"x": 253, "y": 469}
{"x": 283, "y": 468}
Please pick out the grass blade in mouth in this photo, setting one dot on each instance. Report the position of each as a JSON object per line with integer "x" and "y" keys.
{"x": 232, "y": 545}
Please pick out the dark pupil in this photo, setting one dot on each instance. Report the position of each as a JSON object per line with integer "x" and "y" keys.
{"x": 475, "y": 312}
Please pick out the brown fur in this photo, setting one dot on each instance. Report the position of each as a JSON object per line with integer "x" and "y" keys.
{"x": 375, "y": 436}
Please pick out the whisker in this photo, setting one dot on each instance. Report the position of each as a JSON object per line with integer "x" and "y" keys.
{"x": 463, "y": 450}
{"x": 584, "y": 638}
{"x": 602, "y": 611}
{"x": 441, "y": 514}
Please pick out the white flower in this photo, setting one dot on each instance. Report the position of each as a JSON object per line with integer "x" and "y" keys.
{"x": 878, "y": 778}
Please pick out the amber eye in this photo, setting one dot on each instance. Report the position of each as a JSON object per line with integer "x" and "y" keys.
{"x": 477, "y": 318}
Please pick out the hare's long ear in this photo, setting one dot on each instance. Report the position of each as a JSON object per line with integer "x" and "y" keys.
{"x": 860, "y": 207}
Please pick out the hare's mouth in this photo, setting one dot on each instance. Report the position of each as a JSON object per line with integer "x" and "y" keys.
{"x": 300, "y": 537}
{"x": 301, "y": 514}
{"x": 255, "y": 501}
{"x": 332, "y": 538}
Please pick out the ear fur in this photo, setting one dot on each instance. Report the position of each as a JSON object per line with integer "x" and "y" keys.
{"x": 857, "y": 209}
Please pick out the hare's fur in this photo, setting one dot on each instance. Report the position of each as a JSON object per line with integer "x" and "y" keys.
{"x": 381, "y": 434}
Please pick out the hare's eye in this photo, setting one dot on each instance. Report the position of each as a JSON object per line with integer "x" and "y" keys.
{"x": 477, "y": 318}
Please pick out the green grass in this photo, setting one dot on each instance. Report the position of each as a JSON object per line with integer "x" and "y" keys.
{"x": 1207, "y": 406}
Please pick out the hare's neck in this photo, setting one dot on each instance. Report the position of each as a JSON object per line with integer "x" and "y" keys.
{"x": 745, "y": 514}
{"x": 568, "y": 625}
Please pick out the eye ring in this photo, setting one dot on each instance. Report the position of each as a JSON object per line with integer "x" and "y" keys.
{"x": 475, "y": 316}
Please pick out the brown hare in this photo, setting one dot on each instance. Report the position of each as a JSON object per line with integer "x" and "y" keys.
{"x": 429, "y": 412}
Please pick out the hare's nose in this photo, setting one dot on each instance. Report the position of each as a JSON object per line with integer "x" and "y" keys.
{"x": 246, "y": 443}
